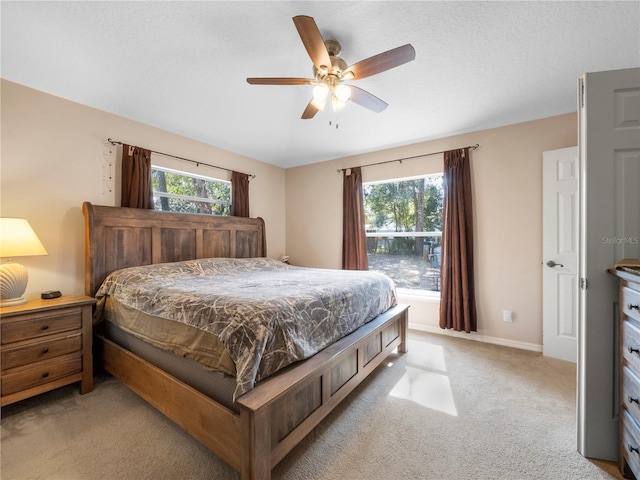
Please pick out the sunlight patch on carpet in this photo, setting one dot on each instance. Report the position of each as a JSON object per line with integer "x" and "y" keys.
{"x": 426, "y": 355}
{"x": 428, "y": 389}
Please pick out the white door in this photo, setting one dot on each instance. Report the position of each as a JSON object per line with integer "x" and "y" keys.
{"x": 609, "y": 143}
{"x": 560, "y": 253}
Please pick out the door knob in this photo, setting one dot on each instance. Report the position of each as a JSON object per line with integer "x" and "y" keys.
{"x": 552, "y": 264}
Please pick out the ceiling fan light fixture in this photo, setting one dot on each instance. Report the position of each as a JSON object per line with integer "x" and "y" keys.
{"x": 319, "y": 104}
{"x": 336, "y": 104}
{"x": 342, "y": 93}
{"x": 348, "y": 75}
{"x": 320, "y": 92}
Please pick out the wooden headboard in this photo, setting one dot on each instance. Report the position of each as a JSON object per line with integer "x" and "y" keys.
{"x": 117, "y": 237}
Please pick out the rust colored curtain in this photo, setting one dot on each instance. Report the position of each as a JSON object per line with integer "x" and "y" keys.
{"x": 457, "y": 297}
{"x": 354, "y": 240}
{"x": 136, "y": 187}
{"x": 240, "y": 194}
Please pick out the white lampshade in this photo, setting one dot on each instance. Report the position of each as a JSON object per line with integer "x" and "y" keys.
{"x": 336, "y": 104}
{"x": 320, "y": 92}
{"x": 343, "y": 93}
{"x": 17, "y": 239}
{"x": 319, "y": 104}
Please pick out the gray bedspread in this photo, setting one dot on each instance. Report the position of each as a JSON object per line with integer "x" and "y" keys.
{"x": 267, "y": 314}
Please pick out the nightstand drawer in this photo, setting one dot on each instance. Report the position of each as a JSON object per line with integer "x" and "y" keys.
{"x": 28, "y": 351}
{"x": 37, "y": 325}
{"x": 631, "y": 303}
{"x": 21, "y": 378}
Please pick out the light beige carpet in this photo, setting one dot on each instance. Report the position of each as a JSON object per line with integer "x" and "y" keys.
{"x": 449, "y": 409}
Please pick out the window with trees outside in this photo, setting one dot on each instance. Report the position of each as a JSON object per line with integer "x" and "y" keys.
{"x": 175, "y": 191}
{"x": 404, "y": 230}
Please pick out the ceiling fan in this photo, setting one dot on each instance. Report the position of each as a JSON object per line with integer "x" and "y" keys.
{"x": 330, "y": 71}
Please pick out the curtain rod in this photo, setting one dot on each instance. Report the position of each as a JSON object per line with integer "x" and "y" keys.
{"x": 472, "y": 147}
{"x": 117, "y": 142}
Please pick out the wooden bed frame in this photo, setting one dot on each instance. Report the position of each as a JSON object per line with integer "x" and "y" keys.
{"x": 281, "y": 410}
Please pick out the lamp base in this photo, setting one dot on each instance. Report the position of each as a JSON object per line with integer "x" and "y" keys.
{"x": 10, "y": 302}
{"x": 13, "y": 283}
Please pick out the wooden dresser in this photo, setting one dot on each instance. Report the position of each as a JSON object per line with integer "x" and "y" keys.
{"x": 45, "y": 344}
{"x": 629, "y": 372}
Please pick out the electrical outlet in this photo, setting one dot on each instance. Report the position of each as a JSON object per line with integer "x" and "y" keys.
{"x": 507, "y": 316}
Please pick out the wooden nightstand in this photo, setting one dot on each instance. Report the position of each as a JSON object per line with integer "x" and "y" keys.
{"x": 45, "y": 344}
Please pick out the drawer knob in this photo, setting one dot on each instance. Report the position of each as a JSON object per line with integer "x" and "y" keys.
{"x": 632, "y": 306}
{"x": 44, "y": 327}
{"x": 45, "y": 350}
{"x": 633, "y": 400}
{"x": 633, "y": 350}
{"x": 45, "y": 374}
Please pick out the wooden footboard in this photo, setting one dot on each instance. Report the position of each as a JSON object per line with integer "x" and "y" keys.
{"x": 277, "y": 414}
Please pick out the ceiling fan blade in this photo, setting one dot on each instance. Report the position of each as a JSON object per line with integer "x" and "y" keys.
{"x": 310, "y": 111}
{"x": 382, "y": 62}
{"x": 312, "y": 40}
{"x": 279, "y": 81}
{"x": 367, "y": 100}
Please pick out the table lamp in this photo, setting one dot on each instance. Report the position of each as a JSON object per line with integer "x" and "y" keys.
{"x": 17, "y": 239}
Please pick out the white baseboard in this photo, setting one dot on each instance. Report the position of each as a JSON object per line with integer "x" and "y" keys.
{"x": 476, "y": 337}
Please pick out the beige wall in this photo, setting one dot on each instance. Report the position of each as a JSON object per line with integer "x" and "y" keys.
{"x": 54, "y": 158}
{"x": 507, "y": 187}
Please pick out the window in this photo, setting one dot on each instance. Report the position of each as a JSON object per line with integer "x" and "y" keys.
{"x": 404, "y": 230}
{"x": 175, "y": 191}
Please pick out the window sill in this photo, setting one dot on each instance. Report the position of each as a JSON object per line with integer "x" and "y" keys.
{"x": 419, "y": 294}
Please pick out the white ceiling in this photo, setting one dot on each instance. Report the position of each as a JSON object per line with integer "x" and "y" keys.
{"x": 182, "y": 66}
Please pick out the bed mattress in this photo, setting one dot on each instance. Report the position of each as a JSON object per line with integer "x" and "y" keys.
{"x": 175, "y": 337}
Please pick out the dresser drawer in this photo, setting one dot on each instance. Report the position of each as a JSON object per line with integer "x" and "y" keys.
{"x": 22, "y": 378}
{"x": 631, "y": 344}
{"x": 40, "y": 324}
{"x": 631, "y": 392}
{"x": 44, "y": 348}
{"x": 631, "y": 303}
{"x": 630, "y": 442}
